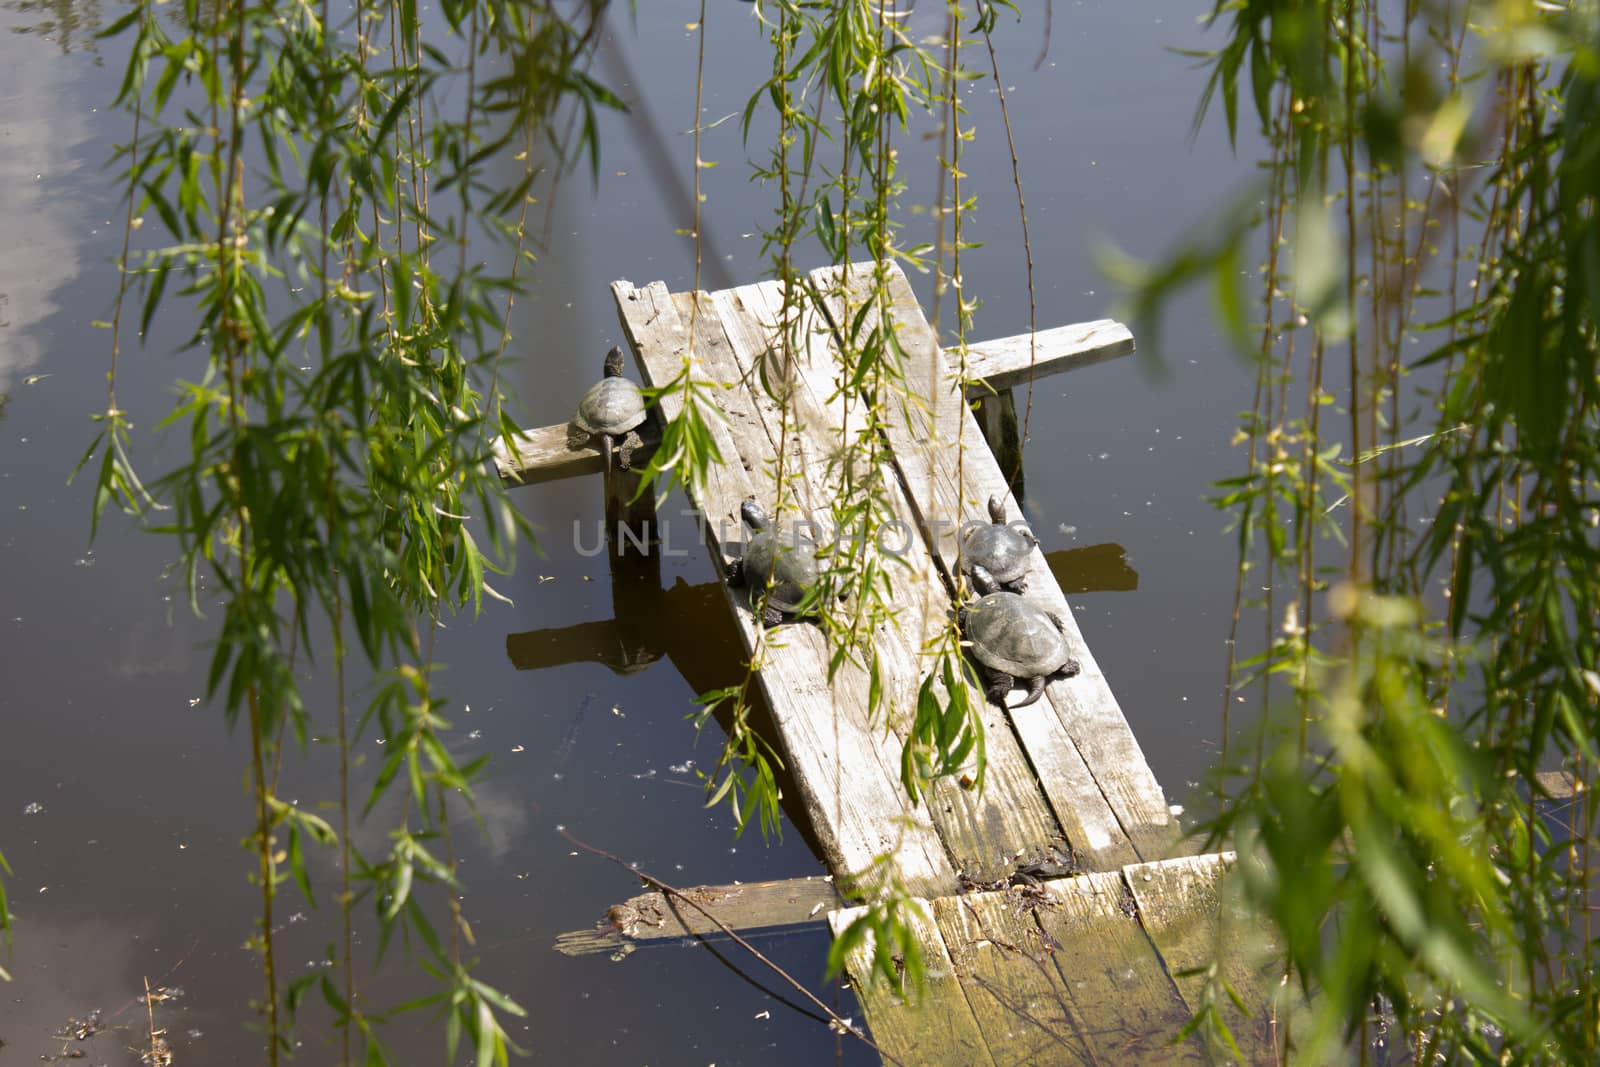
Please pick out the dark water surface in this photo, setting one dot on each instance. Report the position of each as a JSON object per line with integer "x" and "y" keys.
{"x": 122, "y": 801}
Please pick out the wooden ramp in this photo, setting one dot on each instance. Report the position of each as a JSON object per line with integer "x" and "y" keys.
{"x": 1067, "y": 783}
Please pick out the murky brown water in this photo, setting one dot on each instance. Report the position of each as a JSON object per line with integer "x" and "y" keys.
{"x": 121, "y": 801}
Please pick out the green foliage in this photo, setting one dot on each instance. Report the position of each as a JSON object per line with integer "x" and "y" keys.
{"x": 309, "y": 206}
{"x": 884, "y": 928}
{"x": 1394, "y": 830}
{"x": 302, "y": 168}
{"x": 5, "y": 916}
{"x": 852, "y": 59}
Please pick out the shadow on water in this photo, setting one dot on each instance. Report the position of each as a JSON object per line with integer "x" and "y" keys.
{"x": 691, "y": 627}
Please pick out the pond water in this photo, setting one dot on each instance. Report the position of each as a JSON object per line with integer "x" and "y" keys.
{"x": 122, "y": 797}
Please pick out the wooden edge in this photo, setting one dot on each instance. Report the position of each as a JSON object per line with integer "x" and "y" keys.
{"x": 744, "y": 907}
{"x": 533, "y": 457}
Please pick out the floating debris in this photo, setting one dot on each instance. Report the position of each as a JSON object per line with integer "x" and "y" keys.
{"x": 35, "y": 808}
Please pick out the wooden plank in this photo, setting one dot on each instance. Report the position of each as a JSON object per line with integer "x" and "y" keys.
{"x": 1183, "y": 910}
{"x": 950, "y": 486}
{"x": 998, "y": 949}
{"x": 544, "y": 455}
{"x": 1012, "y": 361}
{"x": 1126, "y": 1005}
{"x": 938, "y": 1029}
{"x": 748, "y": 907}
{"x": 986, "y": 834}
{"x": 847, "y": 779}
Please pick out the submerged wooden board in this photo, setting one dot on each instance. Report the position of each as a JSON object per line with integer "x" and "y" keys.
{"x": 938, "y": 1026}
{"x": 1187, "y": 918}
{"x": 846, "y": 770}
{"x": 1087, "y": 747}
{"x": 1065, "y": 973}
{"x": 1128, "y": 1007}
{"x": 1016, "y": 994}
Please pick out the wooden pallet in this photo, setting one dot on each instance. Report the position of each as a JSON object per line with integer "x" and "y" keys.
{"x": 1090, "y": 971}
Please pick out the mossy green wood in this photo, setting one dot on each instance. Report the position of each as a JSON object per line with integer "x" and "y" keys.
{"x": 1023, "y": 1010}
{"x": 1188, "y": 916}
{"x": 937, "y": 1028}
{"x": 1119, "y": 986}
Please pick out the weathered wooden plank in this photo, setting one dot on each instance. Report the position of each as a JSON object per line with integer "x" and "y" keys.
{"x": 938, "y": 1028}
{"x": 1016, "y": 994}
{"x": 1126, "y": 1005}
{"x": 1070, "y": 785}
{"x": 986, "y": 833}
{"x": 1011, "y": 361}
{"x": 545, "y": 455}
{"x": 747, "y": 907}
{"x": 950, "y": 486}
{"x": 1085, "y": 705}
{"x": 1184, "y": 911}
{"x": 847, "y": 778}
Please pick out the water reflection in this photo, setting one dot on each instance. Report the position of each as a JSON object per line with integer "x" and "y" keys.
{"x": 67, "y": 22}
{"x": 41, "y": 133}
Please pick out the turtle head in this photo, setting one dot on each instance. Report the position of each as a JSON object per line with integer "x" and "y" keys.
{"x": 614, "y": 362}
{"x": 997, "y": 511}
{"x": 983, "y": 582}
{"x": 753, "y": 514}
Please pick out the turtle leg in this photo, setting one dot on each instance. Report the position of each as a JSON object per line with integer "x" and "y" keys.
{"x": 1070, "y": 669}
{"x": 735, "y": 572}
{"x": 999, "y": 685}
{"x": 629, "y": 443}
{"x": 605, "y": 449}
{"x": 1020, "y": 585}
{"x": 771, "y": 616}
{"x": 1035, "y": 691}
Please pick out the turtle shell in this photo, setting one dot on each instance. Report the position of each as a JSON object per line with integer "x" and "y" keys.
{"x": 1009, "y": 633}
{"x": 1002, "y": 550}
{"x": 612, "y": 405}
{"x": 792, "y": 568}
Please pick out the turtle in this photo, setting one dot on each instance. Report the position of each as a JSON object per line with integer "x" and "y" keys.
{"x": 999, "y": 548}
{"x": 1014, "y": 640}
{"x": 789, "y": 568}
{"x": 612, "y": 410}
